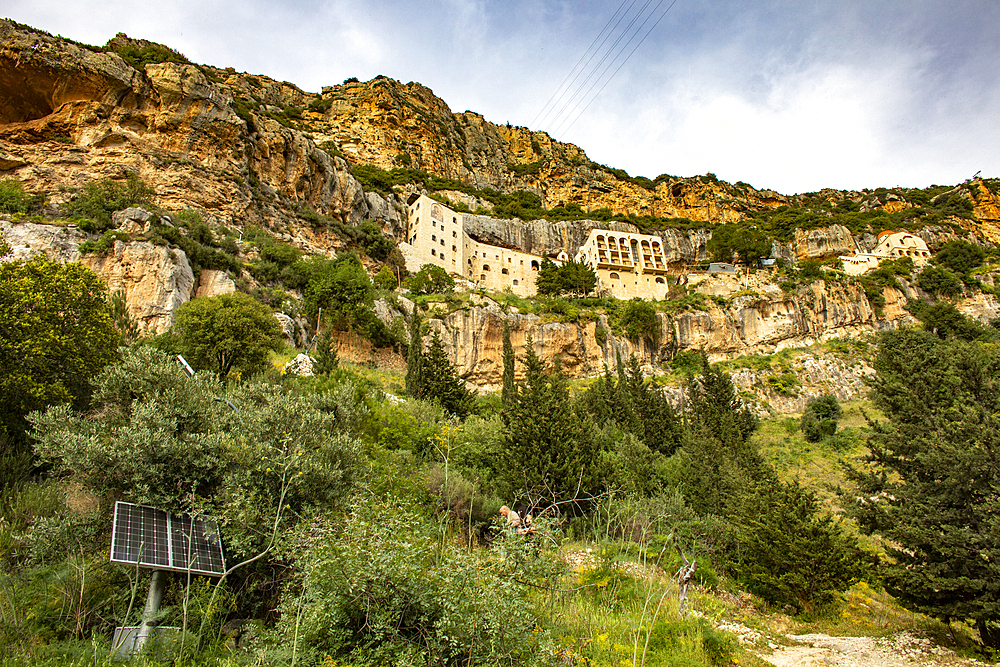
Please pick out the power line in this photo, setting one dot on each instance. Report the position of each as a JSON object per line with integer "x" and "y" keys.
{"x": 572, "y": 103}
{"x": 568, "y": 109}
{"x": 584, "y": 55}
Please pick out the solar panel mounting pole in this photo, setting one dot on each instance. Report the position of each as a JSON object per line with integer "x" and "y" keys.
{"x": 153, "y": 599}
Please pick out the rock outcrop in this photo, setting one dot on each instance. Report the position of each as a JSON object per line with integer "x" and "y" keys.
{"x": 155, "y": 280}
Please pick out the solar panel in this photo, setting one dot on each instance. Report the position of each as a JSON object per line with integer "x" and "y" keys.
{"x": 156, "y": 539}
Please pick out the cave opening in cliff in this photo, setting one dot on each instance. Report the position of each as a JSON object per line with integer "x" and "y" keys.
{"x": 27, "y": 93}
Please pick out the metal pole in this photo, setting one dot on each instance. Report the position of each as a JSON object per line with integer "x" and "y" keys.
{"x": 153, "y": 599}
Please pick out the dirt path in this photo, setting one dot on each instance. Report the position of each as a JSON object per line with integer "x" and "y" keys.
{"x": 900, "y": 650}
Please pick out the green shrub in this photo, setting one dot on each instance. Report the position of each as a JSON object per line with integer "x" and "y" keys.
{"x": 103, "y": 245}
{"x": 99, "y": 199}
{"x": 939, "y": 281}
{"x": 14, "y": 199}
{"x": 386, "y": 591}
{"x": 638, "y": 319}
{"x": 431, "y": 279}
{"x": 138, "y": 57}
{"x": 321, "y": 104}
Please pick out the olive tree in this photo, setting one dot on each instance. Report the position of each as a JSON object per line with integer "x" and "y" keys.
{"x": 226, "y": 332}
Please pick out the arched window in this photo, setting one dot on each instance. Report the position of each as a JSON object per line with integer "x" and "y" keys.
{"x": 534, "y": 265}
{"x": 504, "y": 271}
{"x": 659, "y": 281}
{"x": 614, "y": 276}
{"x": 486, "y": 267}
{"x": 515, "y": 282}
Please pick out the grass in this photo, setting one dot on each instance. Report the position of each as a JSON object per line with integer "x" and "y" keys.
{"x": 817, "y": 465}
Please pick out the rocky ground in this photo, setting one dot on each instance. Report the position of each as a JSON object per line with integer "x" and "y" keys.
{"x": 899, "y": 650}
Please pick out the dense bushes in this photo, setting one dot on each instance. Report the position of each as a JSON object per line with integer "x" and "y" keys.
{"x": 378, "y": 587}
{"x": 14, "y": 198}
{"x": 819, "y": 420}
{"x": 93, "y": 206}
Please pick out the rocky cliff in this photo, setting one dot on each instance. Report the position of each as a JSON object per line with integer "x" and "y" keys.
{"x": 244, "y": 150}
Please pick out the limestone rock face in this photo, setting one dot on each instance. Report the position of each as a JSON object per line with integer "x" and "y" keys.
{"x": 301, "y": 365}
{"x": 156, "y": 280}
{"x": 213, "y": 282}
{"x": 70, "y": 114}
{"x": 27, "y": 239}
{"x": 748, "y": 325}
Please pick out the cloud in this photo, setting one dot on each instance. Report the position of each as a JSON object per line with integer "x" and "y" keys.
{"x": 779, "y": 93}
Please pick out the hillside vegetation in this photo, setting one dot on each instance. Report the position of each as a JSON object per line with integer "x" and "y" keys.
{"x": 660, "y": 512}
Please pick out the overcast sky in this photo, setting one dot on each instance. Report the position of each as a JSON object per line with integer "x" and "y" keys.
{"x": 789, "y": 95}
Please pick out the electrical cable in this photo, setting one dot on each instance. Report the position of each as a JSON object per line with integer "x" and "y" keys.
{"x": 620, "y": 66}
{"x": 541, "y": 115}
{"x": 570, "y": 106}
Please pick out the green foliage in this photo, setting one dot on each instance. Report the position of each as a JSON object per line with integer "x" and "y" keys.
{"x": 281, "y": 254}
{"x": 551, "y": 456}
{"x": 321, "y": 104}
{"x": 431, "y": 279}
{"x": 791, "y": 554}
{"x": 928, "y": 485}
{"x": 385, "y": 279}
{"x": 99, "y": 199}
{"x": 571, "y": 277}
{"x": 227, "y": 332}
{"x": 440, "y": 381}
{"x": 56, "y": 333}
{"x": 741, "y": 242}
{"x": 104, "y": 245}
{"x": 637, "y": 319}
{"x": 635, "y": 406}
{"x": 415, "y": 358}
{"x": 326, "y": 353}
{"x": 939, "y": 281}
{"x": 509, "y": 363}
{"x": 946, "y": 321}
{"x": 375, "y": 244}
{"x": 140, "y": 56}
{"x": 379, "y": 589}
{"x": 959, "y": 256}
{"x": 340, "y": 286}
{"x": 156, "y": 436}
{"x": 819, "y": 420}
{"x": 529, "y": 169}
{"x": 719, "y": 460}
{"x": 14, "y": 199}
{"x": 122, "y": 319}
{"x": 196, "y": 244}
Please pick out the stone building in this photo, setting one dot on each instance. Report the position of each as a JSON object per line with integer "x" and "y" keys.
{"x": 627, "y": 265}
{"x": 890, "y": 245}
{"x": 436, "y": 235}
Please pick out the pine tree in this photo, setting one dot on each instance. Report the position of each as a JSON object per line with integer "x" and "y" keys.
{"x": 551, "y": 455}
{"x": 930, "y": 483}
{"x": 507, "y": 394}
{"x": 441, "y": 382}
{"x": 415, "y": 358}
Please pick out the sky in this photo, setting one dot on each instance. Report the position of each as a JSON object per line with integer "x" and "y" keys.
{"x": 789, "y": 95}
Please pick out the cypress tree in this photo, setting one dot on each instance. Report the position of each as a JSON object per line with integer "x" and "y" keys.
{"x": 507, "y": 394}
{"x": 415, "y": 358}
{"x": 551, "y": 455}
